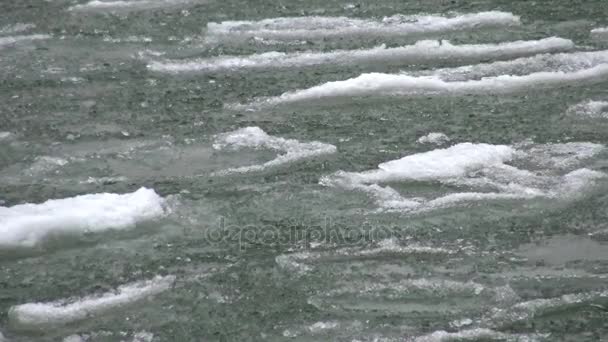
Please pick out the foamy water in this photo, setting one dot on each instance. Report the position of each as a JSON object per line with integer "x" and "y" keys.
{"x": 61, "y": 312}
{"x": 427, "y": 51}
{"x": 27, "y": 225}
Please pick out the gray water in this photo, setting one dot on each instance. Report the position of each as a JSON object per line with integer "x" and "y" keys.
{"x": 276, "y": 253}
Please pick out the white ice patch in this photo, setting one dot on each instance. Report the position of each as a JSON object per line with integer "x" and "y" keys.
{"x": 590, "y": 109}
{"x": 559, "y": 62}
{"x": 401, "y": 85}
{"x": 600, "y": 33}
{"x": 116, "y": 5}
{"x": 320, "y": 27}
{"x": 256, "y": 138}
{"x": 27, "y": 225}
{"x": 12, "y": 40}
{"x": 76, "y": 309}
{"x": 484, "y": 168}
{"x": 426, "y": 51}
{"x": 435, "y": 138}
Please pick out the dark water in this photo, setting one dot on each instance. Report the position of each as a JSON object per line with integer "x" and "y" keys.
{"x": 273, "y": 255}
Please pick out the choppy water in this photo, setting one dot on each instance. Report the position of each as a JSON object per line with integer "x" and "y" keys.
{"x": 195, "y": 170}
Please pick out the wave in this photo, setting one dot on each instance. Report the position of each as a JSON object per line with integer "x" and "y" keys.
{"x": 400, "y": 85}
{"x": 427, "y": 51}
{"x": 28, "y": 225}
{"x": 298, "y": 262}
{"x": 478, "y": 166}
{"x": 61, "y": 312}
{"x": 525, "y": 311}
{"x": 256, "y": 138}
{"x": 286, "y": 28}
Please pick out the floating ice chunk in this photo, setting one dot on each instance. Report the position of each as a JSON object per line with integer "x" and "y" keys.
{"x": 254, "y": 137}
{"x": 600, "y": 33}
{"x": 383, "y": 85}
{"x": 11, "y": 40}
{"x": 28, "y": 225}
{"x": 427, "y": 51}
{"x": 119, "y": 4}
{"x": 590, "y": 109}
{"x": 42, "y": 315}
{"x": 563, "y": 62}
{"x": 478, "y": 166}
{"x": 433, "y": 138}
{"x": 319, "y": 27}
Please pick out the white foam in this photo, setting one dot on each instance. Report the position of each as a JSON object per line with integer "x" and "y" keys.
{"x": 65, "y": 311}
{"x": 256, "y": 138}
{"x": 298, "y": 262}
{"x": 478, "y": 166}
{"x": 435, "y": 138}
{"x": 27, "y": 225}
{"x": 427, "y": 51}
{"x": 590, "y": 109}
{"x": 319, "y": 27}
{"x": 380, "y": 85}
{"x": 11, "y": 40}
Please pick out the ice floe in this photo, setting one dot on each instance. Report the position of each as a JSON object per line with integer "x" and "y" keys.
{"x": 319, "y": 27}
{"x": 435, "y": 138}
{"x": 426, "y": 51}
{"x": 61, "y": 312}
{"x": 27, "y": 225}
{"x": 490, "y": 170}
{"x": 401, "y": 85}
{"x": 256, "y": 138}
{"x": 119, "y": 4}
